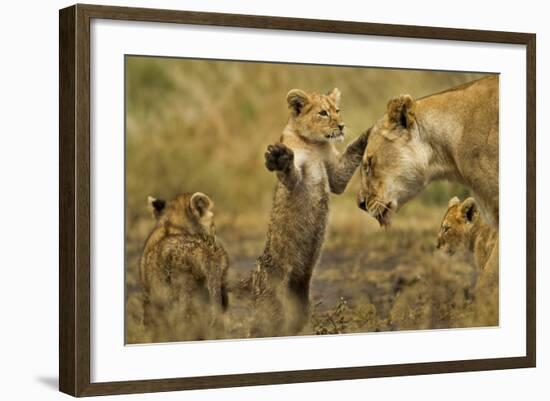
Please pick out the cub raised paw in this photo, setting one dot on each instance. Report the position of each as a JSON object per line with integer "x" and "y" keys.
{"x": 278, "y": 157}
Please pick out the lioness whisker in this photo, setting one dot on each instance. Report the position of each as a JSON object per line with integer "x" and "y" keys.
{"x": 379, "y": 203}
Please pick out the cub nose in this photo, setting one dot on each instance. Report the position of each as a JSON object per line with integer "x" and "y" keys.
{"x": 362, "y": 203}
{"x": 341, "y": 127}
{"x": 438, "y": 245}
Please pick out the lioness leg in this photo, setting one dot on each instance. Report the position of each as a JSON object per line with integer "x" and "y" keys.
{"x": 486, "y": 292}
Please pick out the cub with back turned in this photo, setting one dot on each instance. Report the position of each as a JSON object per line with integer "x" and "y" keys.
{"x": 183, "y": 271}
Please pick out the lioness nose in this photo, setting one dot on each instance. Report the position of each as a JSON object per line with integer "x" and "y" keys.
{"x": 341, "y": 127}
{"x": 362, "y": 203}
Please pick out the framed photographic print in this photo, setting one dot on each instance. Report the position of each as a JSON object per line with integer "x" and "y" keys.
{"x": 251, "y": 200}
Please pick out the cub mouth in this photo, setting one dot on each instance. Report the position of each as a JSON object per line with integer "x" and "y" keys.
{"x": 335, "y": 136}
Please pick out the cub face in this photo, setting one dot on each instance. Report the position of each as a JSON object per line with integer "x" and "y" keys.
{"x": 191, "y": 212}
{"x": 456, "y": 225}
{"x": 316, "y": 117}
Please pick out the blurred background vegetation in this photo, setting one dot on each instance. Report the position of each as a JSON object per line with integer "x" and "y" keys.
{"x": 202, "y": 125}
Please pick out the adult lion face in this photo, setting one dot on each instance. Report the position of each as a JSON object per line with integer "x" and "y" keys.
{"x": 395, "y": 160}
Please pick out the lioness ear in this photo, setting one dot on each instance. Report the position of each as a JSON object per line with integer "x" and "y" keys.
{"x": 453, "y": 201}
{"x": 156, "y": 206}
{"x": 296, "y": 100}
{"x": 400, "y": 111}
{"x": 469, "y": 209}
{"x": 336, "y": 96}
{"x": 200, "y": 204}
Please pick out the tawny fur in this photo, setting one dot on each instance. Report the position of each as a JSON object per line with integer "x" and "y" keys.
{"x": 452, "y": 135}
{"x": 183, "y": 271}
{"x": 463, "y": 227}
{"x": 308, "y": 168}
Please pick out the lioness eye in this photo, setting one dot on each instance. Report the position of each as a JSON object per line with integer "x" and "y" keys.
{"x": 323, "y": 113}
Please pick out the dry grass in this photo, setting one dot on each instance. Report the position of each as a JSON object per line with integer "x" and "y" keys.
{"x": 203, "y": 126}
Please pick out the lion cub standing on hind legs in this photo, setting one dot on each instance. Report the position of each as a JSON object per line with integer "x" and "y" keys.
{"x": 183, "y": 271}
{"x": 464, "y": 227}
{"x": 308, "y": 168}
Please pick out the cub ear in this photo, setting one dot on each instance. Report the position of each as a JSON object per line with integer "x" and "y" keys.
{"x": 453, "y": 201}
{"x": 296, "y": 100}
{"x": 400, "y": 111}
{"x": 469, "y": 209}
{"x": 200, "y": 204}
{"x": 336, "y": 96}
{"x": 156, "y": 206}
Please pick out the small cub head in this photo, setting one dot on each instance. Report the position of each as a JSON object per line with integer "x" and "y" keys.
{"x": 456, "y": 225}
{"x": 316, "y": 117}
{"x": 191, "y": 212}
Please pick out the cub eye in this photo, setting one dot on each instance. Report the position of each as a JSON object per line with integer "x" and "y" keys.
{"x": 446, "y": 228}
{"x": 323, "y": 113}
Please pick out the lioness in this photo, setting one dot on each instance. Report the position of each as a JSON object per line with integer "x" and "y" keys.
{"x": 183, "y": 271}
{"x": 464, "y": 227}
{"x": 308, "y": 168}
{"x": 451, "y": 135}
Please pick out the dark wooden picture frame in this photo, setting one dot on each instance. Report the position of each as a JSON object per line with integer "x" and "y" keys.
{"x": 74, "y": 199}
